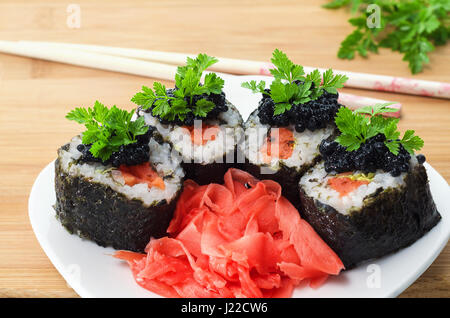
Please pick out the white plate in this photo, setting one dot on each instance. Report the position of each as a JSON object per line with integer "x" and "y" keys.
{"x": 92, "y": 272}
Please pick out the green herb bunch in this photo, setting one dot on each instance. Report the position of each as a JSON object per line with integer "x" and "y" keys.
{"x": 187, "y": 81}
{"x": 285, "y": 91}
{"x": 358, "y": 126}
{"x": 107, "y": 129}
{"x": 411, "y": 27}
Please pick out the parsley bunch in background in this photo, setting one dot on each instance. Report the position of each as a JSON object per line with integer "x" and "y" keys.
{"x": 187, "y": 81}
{"x": 107, "y": 129}
{"x": 364, "y": 123}
{"x": 286, "y": 91}
{"x": 411, "y": 27}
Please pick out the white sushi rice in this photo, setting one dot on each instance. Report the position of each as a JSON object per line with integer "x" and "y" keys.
{"x": 306, "y": 146}
{"x": 165, "y": 163}
{"x": 224, "y": 143}
{"x": 315, "y": 185}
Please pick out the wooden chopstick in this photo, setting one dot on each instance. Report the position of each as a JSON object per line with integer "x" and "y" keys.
{"x": 247, "y": 67}
{"x": 91, "y": 60}
{"x": 225, "y": 65}
{"x": 98, "y": 57}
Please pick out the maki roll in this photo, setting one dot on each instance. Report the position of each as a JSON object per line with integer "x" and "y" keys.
{"x": 283, "y": 134}
{"x": 117, "y": 183}
{"x": 203, "y": 127}
{"x": 370, "y": 194}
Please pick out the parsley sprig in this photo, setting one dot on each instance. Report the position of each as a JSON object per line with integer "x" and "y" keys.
{"x": 187, "y": 81}
{"x": 284, "y": 90}
{"x": 411, "y": 27}
{"x": 107, "y": 129}
{"x": 362, "y": 124}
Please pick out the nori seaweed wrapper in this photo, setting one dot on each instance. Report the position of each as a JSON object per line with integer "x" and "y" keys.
{"x": 96, "y": 212}
{"x": 388, "y": 221}
{"x": 211, "y": 172}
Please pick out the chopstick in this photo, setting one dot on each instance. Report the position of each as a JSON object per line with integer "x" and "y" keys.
{"x": 355, "y": 101}
{"x": 98, "y": 57}
{"x": 247, "y": 67}
{"x": 225, "y": 65}
{"x": 91, "y": 60}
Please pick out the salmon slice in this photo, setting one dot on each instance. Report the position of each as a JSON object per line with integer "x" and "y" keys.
{"x": 201, "y": 135}
{"x": 142, "y": 173}
{"x": 279, "y": 144}
{"x": 344, "y": 185}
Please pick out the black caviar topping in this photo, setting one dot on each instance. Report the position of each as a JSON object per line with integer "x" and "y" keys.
{"x": 315, "y": 114}
{"x": 421, "y": 158}
{"x": 372, "y": 155}
{"x": 218, "y": 99}
{"x": 129, "y": 155}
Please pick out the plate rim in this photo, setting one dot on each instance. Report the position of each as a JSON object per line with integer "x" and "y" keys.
{"x": 82, "y": 291}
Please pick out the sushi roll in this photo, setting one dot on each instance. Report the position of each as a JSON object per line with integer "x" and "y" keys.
{"x": 196, "y": 118}
{"x": 283, "y": 134}
{"x": 370, "y": 194}
{"x": 117, "y": 183}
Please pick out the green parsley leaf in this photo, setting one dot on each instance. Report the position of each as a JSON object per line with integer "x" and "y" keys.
{"x": 376, "y": 109}
{"x": 179, "y": 109}
{"x": 282, "y": 93}
{"x": 316, "y": 78}
{"x": 281, "y": 108}
{"x": 138, "y": 127}
{"x": 146, "y": 98}
{"x": 391, "y": 133}
{"x": 213, "y": 83}
{"x": 286, "y": 95}
{"x": 350, "y": 142}
{"x": 336, "y": 4}
{"x": 107, "y": 129}
{"x": 80, "y": 115}
{"x": 90, "y": 135}
{"x": 393, "y": 146}
{"x": 203, "y": 107}
{"x": 285, "y": 68}
{"x": 356, "y": 128}
{"x": 377, "y": 125}
{"x": 255, "y": 88}
{"x": 303, "y": 93}
{"x": 390, "y": 130}
{"x": 161, "y": 107}
{"x": 100, "y": 112}
{"x": 201, "y": 62}
{"x": 332, "y": 82}
{"x": 286, "y": 92}
{"x": 413, "y": 28}
{"x": 411, "y": 142}
{"x": 190, "y": 83}
{"x": 187, "y": 81}
{"x": 350, "y": 123}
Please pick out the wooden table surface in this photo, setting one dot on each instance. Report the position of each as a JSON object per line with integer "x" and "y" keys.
{"x": 35, "y": 95}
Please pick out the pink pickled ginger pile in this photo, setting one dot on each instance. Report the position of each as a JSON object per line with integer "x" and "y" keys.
{"x": 240, "y": 239}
